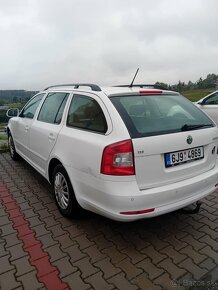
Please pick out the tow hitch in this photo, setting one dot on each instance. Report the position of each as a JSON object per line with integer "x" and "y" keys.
{"x": 192, "y": 209}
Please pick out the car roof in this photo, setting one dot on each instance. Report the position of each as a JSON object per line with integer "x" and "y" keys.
{"x": 112, "y": 90}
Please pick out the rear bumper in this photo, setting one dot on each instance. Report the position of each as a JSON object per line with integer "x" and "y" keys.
{"x": 109, "y": 198}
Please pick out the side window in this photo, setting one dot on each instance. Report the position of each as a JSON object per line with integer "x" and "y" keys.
{"x": 31, "y": 107}
{"x": 85, "y": 113}
{"x": 212, "y": 100}
{"x": 53, "y": 107}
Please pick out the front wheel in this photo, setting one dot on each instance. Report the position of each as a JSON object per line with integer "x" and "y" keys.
{"x": 63, "y": 192}
{"x": 13, "y": 153}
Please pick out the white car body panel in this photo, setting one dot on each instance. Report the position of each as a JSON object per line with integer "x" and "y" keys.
{"x": 80, "y": 152}
{"x": 210, "y": 109}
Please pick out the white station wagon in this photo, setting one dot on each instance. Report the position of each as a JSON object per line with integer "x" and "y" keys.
{"x": 124, "y": 152}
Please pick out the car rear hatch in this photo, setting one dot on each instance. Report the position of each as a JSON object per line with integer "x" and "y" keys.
{"x": 172, "y": 139}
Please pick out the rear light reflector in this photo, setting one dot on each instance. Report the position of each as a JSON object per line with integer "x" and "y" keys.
{"x": 138, "y": 211}
{"x": 150, "y": 92}
{"x": 118, "y": 159}
{"x": 216, "y": 184}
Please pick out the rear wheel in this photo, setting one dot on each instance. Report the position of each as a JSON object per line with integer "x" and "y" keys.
{"x": 63, "y": 192}
{"x": 13, "y": 153}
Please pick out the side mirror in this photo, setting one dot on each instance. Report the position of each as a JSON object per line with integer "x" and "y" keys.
{"x": 12, "y": 113}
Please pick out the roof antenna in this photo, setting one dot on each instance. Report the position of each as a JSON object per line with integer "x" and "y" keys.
{"x": 134, "y": 78}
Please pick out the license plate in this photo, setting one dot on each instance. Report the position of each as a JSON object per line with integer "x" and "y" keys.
{"x": 183, "y": 156}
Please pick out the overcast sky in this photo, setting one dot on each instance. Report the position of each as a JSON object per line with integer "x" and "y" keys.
{"x": 45, "y": 42}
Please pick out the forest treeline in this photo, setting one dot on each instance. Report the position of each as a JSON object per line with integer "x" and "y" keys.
{"x": 211, "y": 81}
{"x": 21, "y": 96}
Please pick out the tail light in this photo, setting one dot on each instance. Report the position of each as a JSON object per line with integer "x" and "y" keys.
{"x": 117, "y": 159}
{"x": 150, "y": 92}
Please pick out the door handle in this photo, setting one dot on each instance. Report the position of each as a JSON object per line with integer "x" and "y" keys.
{"x": 51, "y": 137}
{"x": 26, "y": 128}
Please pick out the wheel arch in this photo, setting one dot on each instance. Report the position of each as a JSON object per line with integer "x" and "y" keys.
{"x": 52, "y": 164}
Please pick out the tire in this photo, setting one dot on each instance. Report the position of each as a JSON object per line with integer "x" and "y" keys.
{"x": 64, "y": 193}
{"x": 13, "y": 153}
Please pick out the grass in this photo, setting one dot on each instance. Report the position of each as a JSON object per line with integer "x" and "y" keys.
{"x": 3, "y": 147}
{"x": 2, "y": 126}
{"x": 195, "y": 95}
{"x": 3, "y": 137}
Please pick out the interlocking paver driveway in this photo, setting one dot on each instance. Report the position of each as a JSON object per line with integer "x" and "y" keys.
{"x": 40, "y": 249}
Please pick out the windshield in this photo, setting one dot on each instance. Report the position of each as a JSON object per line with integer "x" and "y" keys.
{"x": 159, "y": 114}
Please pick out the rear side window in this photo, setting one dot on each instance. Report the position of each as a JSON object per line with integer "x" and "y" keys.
{"x": 85, "y": 113}
{"x": 212, "y": 100}
{"x": 159, "y": 114}
{"x": 53, "y": 107}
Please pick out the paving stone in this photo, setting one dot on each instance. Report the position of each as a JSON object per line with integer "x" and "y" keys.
{"x": 196, "y": 244}
{"x": 57, "y": 231}
{"x": 8, "y": 281}
{"x": 208, "y": 264}
{"x": 151, "y": 269}
{"x": 65, "y": 267}
{"x": 173, "y": 270}
{"x": 191, "y": 267}
{"x": 122, "y": 283}
{"x": 207, "y": 230}
{"x": 209, "y": 223}
{"x": 136, "y": 240}
{"x": 74, "y": 253}
{"x": 118, "y": 241}
{"x": 65, "y": 223}
{"x": 107, "y": 268}
{"x": 55, "y": 253}
{"x": 5, "y": 265}
{"x": 23, "y": 266}
{"x": 165, "y": 281}
{"x": 115, "y": 255}
{"x": 145, "y": 283}
{"x": 7, "y": 230}
{"x": 38, "y": 206}
{"x": 83, "y": 242}
{"x": 47, "y": 241}
{"x": 65, "y": 241}
{"x": 34, "y": 221}
{"x": 153, "y": 239}
{"x": 98, "y": 283}
{"x": 3, "y": 251}
{"x": 17, "y": 252}
{"x": 4, "y": 220}
{"x": 194, "y": 255}
{"x": 101, "y": 242}
{"x": 30, "y": 281}
{"x": 133, "y": 254}
{"x": 72, "y": 230}
{"x": 76, "y": 282}
{"x": 174, "y": 255}
{"x": 208, "y": 251}
{"x": 129, "y": 269}
{"x": 155, "y": 255}
{"x": 94, "y": 254}
{"x": 40, "y": 230}
{"x": 85, "y": 267}
{"x": 194, "y": 232}
{"x": 44, "y": 213}
{"x": 25, "y": 205}
{"x": 50, "y": 221}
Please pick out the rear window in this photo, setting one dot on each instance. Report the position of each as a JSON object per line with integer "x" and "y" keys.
{"x": 159, "y": 114}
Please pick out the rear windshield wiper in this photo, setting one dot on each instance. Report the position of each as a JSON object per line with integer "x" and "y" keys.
{"x": 187, "y": 127}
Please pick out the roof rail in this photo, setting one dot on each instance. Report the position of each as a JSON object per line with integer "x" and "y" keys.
{"x": 76, "y": 86}
{"x": 142, "y": 86}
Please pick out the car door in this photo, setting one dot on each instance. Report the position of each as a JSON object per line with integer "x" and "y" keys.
{"x": 20, "y": 126}
{"x": 210, "y": 106}
{"x": 45, "y": 128}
